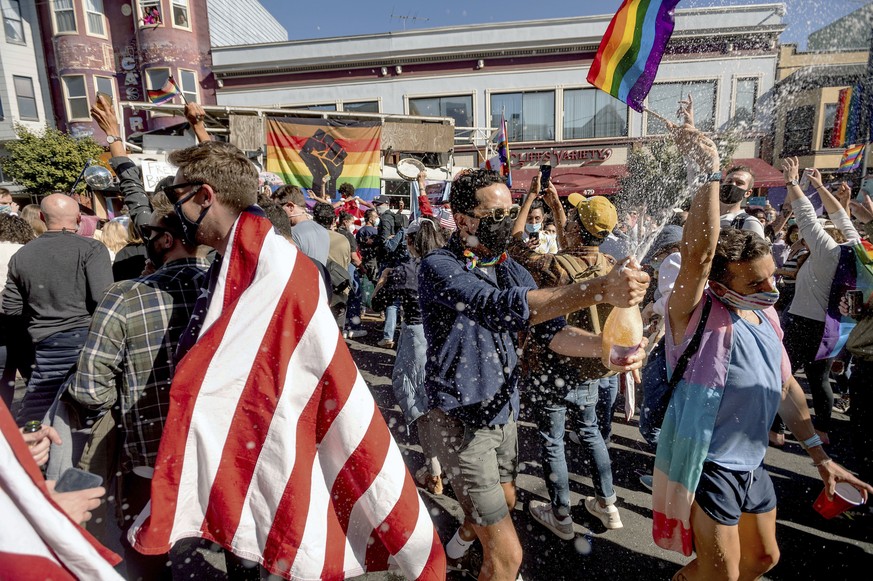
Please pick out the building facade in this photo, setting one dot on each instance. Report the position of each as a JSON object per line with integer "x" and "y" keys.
{"x": 533, "y": 73}
{"x": 237, "y": 22}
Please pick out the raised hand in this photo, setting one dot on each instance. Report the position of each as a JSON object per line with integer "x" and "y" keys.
{"x": 103, "y": 113}
{"x": 686, "y": 111}
{"x": 194, "y": 113}
{"x": 863, "y": 211}
{"x": 790, "y": 169}
{"x": 324, "y": 156}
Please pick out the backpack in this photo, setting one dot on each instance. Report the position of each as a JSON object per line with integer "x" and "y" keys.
{"x": 554, "y": 270}
{"x": 339, "y": 277}
{"x": 657, "y": 388}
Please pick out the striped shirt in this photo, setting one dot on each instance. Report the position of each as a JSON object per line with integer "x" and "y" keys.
{"x": 129, "y": 352}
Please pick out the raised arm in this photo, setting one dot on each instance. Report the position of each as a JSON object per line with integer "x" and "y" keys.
{"x": 819, "y": 241}
{"x": 195, "y": 114}
{"x": 518, "y": 227}
{"x": 558, "y": 215}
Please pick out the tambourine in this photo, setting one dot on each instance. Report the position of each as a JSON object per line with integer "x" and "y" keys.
{"x": 408, "y": 168}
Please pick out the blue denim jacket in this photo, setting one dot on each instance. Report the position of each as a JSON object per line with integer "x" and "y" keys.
{"x": 471, "y": 320}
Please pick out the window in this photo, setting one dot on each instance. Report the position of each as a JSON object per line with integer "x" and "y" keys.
{"x": 830, "y": 117}
{"x": 26, "y": 98}
{"x": 180, "y": 14}
{"x": 105, "y": 85}
{"x": 65, "y": 16}
{"x": 592, "y": 113}
{"x": 94, "y": 17}
{"x": 362, "y": 107}
{"x": 328, "y": 107}
{"x": 799, "y": 125}
{"x": 459, "y": 108}
{"x": 150, "y": 12}
{"x": 664, "y": 100}
{"x": 529, "y": 116}
{"x": 12, "y": 21}
{"x": 77, "y": 97}
{"x": 157, "y": 78}
{"x": 188, "y": 85}
{"x": 746, "y": 97}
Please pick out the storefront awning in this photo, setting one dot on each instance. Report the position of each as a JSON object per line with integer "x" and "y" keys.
{"x": 766, "y": 176}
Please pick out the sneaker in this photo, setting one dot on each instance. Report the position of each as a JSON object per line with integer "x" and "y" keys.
{"x": 647, "y": 480}
{"x": 356, "y": 333}
{"x": 608, "y": 515}
{"x": 843, "y": 404}
{"x": 345, "y": 334}
{"x": 542, "y": 513}
{"x": 386, "y": 343}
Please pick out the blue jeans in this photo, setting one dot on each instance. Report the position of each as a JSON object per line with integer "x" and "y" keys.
{"x": 390, "y": 322}
{"x": 551, "y": 419}
{"x": 54, "y": 356}
{"x": 606, "y": 405}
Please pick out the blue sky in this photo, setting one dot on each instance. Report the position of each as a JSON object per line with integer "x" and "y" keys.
{"x": 349, "y": 17}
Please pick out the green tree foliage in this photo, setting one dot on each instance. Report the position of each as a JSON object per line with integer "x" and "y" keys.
{"x": 47, "y": 161}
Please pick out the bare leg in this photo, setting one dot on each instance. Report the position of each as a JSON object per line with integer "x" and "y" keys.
{"x": 717, "y": 547}
{"x": 758, "y": 549}
{"x": 501, "y": 551}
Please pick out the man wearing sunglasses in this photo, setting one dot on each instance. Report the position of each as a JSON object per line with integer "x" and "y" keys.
{"x": 128, "y": 360}
{"x": 474, "y": 300}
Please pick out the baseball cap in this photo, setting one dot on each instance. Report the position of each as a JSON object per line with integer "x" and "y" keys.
{"x": 380, "y": 200}
{"x": 597, "y": 214}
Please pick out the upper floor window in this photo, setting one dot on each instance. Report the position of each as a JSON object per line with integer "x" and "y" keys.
{"x": 530, "y": 116}
{"x": 458, "y": 107}
{"x": 150, "y": 13}
{"x": 76, "y": 97}
{"x": 362, "y": 107}
{"x": 799, "y": 127}
{"x": 830, "y": 117}
{"x": 590, "y": 113}
{"x": 64, "y": 16}
{"x": 664, "y": 99}
{"x": 156, "y": 78}
{"x": 746, "y": 99}
{"x": 94, "y": 17}
{"x": 26, "y": 98}
{"x": 325, "y": 107}
{"x": 188, "y": 85}
{"x": 12, "y": 21}
{"x": 180, "y": 14}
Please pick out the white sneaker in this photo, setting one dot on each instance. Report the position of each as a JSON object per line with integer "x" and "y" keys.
{"x": 355, "y": 333}
{"x": 542, "y": 513}
{"x": 386, "y": 343}
{"x": 608, "y": 515}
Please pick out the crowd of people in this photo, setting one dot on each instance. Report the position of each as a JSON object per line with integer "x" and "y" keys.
{"x": 487, "y": 304}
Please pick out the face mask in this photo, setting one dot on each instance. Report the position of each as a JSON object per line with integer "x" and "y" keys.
{"x": 376, "y": 223}
{"x": 531, "y": 228}
{"x": 189, "y": 227}
{"x": 157, "y": 257}
{"x": 752, "y": 302}
{"x": 731, "y": 194}
{"x": 494, "y": 236}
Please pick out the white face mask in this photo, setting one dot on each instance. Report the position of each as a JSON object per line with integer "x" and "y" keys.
{"x": 376, "y": 223}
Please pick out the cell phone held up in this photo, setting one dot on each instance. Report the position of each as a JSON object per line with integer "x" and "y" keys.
{"x": 533, "y": 235}
{"x": 74, "y": 479}
{"x": 855, "y": 302}
{"x": 545, "y": 177}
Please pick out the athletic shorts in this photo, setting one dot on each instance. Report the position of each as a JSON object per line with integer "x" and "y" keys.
{"x": 477, "y": 460}
{"x": 725, "y": 494}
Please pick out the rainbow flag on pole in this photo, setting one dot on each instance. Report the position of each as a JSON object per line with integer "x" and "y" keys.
{"x": 165, "y": 93}
{"x": 303, "y": 151}
{"x": 500, "y": 162}
{"x": 631, "y": 50}
{"x": 852, "y": 158}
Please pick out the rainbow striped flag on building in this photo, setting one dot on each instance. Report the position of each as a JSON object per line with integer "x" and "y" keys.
{"x": 847, "y": 121}
{"x": 303, "y": 151}
{"x": 852, "y": 158}
{"x": 500, "y": 162}
{"x": 165, "y": 93}
{"x": 631, "y": 50}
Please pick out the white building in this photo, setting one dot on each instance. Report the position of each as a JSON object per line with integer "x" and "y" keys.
{"x": 237, "y": 22}
{"x": 534, "y": 72}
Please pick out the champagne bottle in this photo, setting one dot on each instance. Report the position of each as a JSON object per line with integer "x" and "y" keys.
{"x": 622, "y": 334}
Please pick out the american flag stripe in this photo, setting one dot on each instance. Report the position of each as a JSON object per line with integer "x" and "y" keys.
{"x": 278, "y": 451}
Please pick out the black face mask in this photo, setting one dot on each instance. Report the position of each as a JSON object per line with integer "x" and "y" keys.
{"x": 731, "y": 194}
{"x": 189, "y": 227}
{"x": 495, "y": 236}
{"x": 155, "y": 256}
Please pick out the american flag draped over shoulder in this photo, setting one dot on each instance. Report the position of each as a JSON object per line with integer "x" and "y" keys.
{"x": 37, "y": 539}
{"x": 274, "y": 447}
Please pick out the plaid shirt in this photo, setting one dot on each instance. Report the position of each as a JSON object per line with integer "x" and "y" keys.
{"x": 129, "y": 352}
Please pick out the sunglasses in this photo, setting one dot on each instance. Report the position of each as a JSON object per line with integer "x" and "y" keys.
{"x": 149, "y": 232}
{"x": 171, "y": 191}
{"x": 498, "y": 214}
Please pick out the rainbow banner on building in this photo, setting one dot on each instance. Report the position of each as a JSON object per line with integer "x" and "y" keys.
{"x": 631, "y": 50}
{"x": 303, "y": 151}
{"x": 852, "y": 158}
{"x": 500, "y": 162}
{"x": 165, "y": 93}
{"x": 847, "y": 121}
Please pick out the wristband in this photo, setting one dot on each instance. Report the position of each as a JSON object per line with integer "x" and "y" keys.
{"x": 823, "y": 462}
{"x": 811, "y": 442}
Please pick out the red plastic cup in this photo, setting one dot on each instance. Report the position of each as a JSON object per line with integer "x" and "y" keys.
{"x": 845, "y": 497}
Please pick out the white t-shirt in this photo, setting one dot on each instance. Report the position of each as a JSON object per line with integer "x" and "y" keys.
{"x": 742, "y": 221}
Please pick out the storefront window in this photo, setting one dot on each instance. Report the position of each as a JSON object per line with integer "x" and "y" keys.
{"x": 529, "y": 116}
{"x": 590, "y": 113}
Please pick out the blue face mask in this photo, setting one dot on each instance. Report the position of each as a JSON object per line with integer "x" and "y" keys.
{"x": 752, "y": 302}
{"x": 531, "y": 228}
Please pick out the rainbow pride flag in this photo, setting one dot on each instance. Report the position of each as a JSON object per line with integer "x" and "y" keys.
{"x": 303, "y": 151}
{"x": 631, "y": 50}
{"x": 500, "y": 162}
{"x": 852, "y": 158}
{"x": 854, "y": 272}
{"x": 165, "y": 93}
